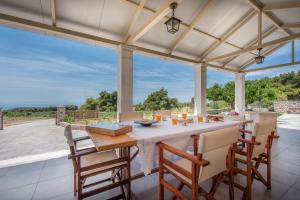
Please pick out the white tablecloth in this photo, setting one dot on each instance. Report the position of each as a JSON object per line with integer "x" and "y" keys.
{"x": 177, "y": 136}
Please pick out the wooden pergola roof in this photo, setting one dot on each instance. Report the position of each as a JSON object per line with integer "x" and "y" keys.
{"x": 225, "y": 34}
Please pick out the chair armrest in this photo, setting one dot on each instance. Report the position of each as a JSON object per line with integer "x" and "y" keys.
{"x": 81, "y": 138}
{"x": 83, "y": 152}
{"x": 183, "y": 154}
{"x": 245, "y": 131}
{"x": 249, "y": 141}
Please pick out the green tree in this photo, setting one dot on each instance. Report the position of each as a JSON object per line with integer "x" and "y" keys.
{"x": 90, "y": 104}
{"x": 228, "y": 93}
{"x": 106, "y": 102}
{"x": 159, "y": 100}
{"x": 215, "y": 93}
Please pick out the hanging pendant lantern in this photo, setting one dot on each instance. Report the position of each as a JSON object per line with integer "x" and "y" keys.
{"x": 173, "y": 23}
{"x": 259, "y": 59}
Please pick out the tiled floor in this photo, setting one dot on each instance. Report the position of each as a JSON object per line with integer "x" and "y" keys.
{"x": 52, "y": 179}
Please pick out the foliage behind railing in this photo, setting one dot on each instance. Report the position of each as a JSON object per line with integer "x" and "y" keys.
{"x": 218, "y": 111}
{"x": 81, "y": 115}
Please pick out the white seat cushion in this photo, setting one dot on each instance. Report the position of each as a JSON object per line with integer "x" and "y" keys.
{"x": 217, "y": 165}
{"x": 99, "y": 157}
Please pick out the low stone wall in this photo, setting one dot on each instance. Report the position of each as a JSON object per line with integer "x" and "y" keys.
{"x": 60, "y": 114}
{"x": 287, "y": 106}
{"x": 73, "y": 126}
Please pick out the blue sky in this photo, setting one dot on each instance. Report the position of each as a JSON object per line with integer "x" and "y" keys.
{"x": 40, "y": 70}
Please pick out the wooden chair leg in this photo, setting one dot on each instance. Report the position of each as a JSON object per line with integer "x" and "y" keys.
{"x": 248, "y": 190}
{"x": 231, "y": 185}
{"x": 79, "y": 181}
{"x": 195, "y": 185}
{"x": 121, "y": 186}
{"x": 75, "y": 183}
{"x": 161, "y": 174}
{"x": 215, "y": 184}
{"x": 179, "y": 188}
{"x": 269, "y": 172}
{"x": 79, "y": 187}
{"x": 128, "y": 174}
{"x": 113, "y": 179}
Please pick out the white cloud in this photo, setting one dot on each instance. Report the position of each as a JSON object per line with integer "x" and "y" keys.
{"x": 56, "y": 64}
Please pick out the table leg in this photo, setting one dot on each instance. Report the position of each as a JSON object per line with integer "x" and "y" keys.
{"x": 243, "y": 134}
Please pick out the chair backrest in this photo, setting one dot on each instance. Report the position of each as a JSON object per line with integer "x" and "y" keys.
{"x": 262, "y": 130}
{"x": 214, "y": 147}
{"x": 130, "y": 116}
{"x": 163, "y": 113}
{"x": 69, "y": 136}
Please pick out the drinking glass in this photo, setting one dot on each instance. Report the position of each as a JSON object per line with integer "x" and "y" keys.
{"x": 200, "y": 118}
{"x": 158, "y": 117}
{"x": 174, "y": 121}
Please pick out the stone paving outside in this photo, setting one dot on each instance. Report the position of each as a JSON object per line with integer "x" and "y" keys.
{"x": 39, "y": 139}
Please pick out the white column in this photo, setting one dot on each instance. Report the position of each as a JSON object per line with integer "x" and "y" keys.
{"x": 125, "y": 78}
{"x": 240, "y": 103}
{"x": 200, "y": 89}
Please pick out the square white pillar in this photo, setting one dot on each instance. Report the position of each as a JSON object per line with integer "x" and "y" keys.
{"x": 200, "y": 89}
{"x": 125, "y": 78}
{"x": 240, "y": 102}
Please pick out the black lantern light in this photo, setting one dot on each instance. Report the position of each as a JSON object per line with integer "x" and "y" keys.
{"x": 259, "y": 59}
{"x": 173, "y": 23}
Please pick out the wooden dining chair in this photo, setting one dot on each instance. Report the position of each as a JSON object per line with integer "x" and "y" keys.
{"x": 130, "y": 116}
{"x": 163, "y": 113}
{"x": 88, "y": 162}
{"x": 212, "y": 159}
{"x": 256, "y": 150}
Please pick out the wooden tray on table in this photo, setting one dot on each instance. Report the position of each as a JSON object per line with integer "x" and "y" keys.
{"x": 109, "y": 129}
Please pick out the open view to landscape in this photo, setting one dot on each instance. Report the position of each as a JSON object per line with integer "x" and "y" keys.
{"x": 127, "y": 99}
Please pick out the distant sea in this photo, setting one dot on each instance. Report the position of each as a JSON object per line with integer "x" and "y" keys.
{"x": 10, "y": 106}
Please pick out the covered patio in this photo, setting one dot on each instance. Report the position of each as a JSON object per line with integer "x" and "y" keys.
{"x": 229, "y": 36}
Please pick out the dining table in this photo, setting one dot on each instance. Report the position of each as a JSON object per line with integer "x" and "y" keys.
{"x": 146, "y": 138}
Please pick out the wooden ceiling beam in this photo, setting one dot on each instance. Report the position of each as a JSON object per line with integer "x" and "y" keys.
{"x": 222, "y": 68}
{"x": 281, "y": 6}
{"x": 21, "y": 23}
{"x": 131, "y": 2}
{"x": 259, "y": 6}
{"x": 134, "y": 19}
{"x": 267, "y": 44}
{"x": 152, "y": 21}
{"x": 246, "y": 18}
{"x": 272, "y": 67}
{"x": 291, "y": 25}
{"x": 259, "y": 28}
{"x": 201, "y": 12}
{"x": 253, "y": 42}
{"x": 53, "y": 12}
